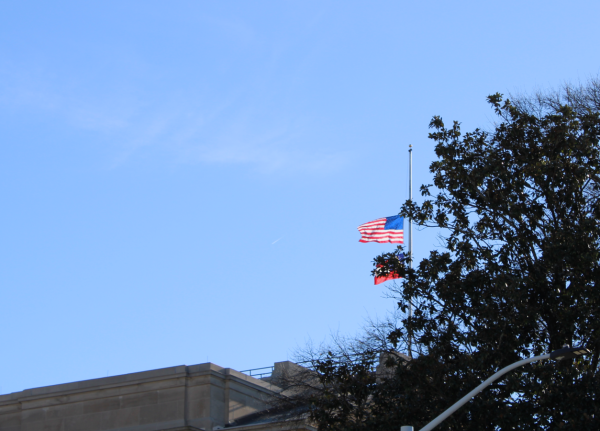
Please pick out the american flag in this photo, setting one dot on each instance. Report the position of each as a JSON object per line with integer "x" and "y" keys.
{"x": 386, "y": 229}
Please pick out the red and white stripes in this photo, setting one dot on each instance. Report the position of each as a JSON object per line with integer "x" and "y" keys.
{"x": 374, "y": 231}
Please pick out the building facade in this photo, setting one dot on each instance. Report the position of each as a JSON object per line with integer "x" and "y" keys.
{"x": 198, "y": 397}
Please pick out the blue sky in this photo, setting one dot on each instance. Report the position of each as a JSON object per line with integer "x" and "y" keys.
{"x": 181, "y": 181}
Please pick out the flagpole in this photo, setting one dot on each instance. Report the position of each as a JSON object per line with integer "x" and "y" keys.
{"x": 410, "y": 234}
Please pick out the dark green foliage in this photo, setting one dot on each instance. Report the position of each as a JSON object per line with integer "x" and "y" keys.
{"x": 345, "y": 399}
{"x": 518, "y": 276}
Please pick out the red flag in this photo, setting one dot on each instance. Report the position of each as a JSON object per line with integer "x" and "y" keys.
{"x": 391, "y": 276}
{"x": 381, "y": 278}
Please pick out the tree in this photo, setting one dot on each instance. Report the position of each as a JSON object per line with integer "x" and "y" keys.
{"x": 519, "y": 211}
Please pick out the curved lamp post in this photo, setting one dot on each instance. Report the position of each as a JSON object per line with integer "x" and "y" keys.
{"x": 564, "y": 353}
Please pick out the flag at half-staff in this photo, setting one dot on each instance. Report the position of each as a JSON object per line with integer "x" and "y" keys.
{"x": 380, "y": 276}
{"x": 386, "y": 229}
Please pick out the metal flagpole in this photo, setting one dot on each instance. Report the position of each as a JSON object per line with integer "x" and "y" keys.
{"x": 410, "y": 233}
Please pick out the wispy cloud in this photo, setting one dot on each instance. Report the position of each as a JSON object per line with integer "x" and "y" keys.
{"x": 185, "y": 130}
{"x": 268, "y": 147}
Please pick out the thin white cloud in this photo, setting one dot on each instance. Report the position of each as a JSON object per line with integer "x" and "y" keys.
{"x": 185, "y": 130}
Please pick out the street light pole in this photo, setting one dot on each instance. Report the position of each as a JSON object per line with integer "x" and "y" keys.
{"x": 564, "y": 353}
{"x": 431, "y": 425}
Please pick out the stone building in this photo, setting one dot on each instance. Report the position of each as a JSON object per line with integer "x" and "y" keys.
{"x": 198, "y": 397}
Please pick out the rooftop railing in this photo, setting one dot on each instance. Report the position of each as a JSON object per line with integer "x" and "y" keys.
{"x": 259, "y": 373}
{"x": 264, "y": 372}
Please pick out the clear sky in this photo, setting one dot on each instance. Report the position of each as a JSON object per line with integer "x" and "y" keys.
{"x": 181, "y": 181}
